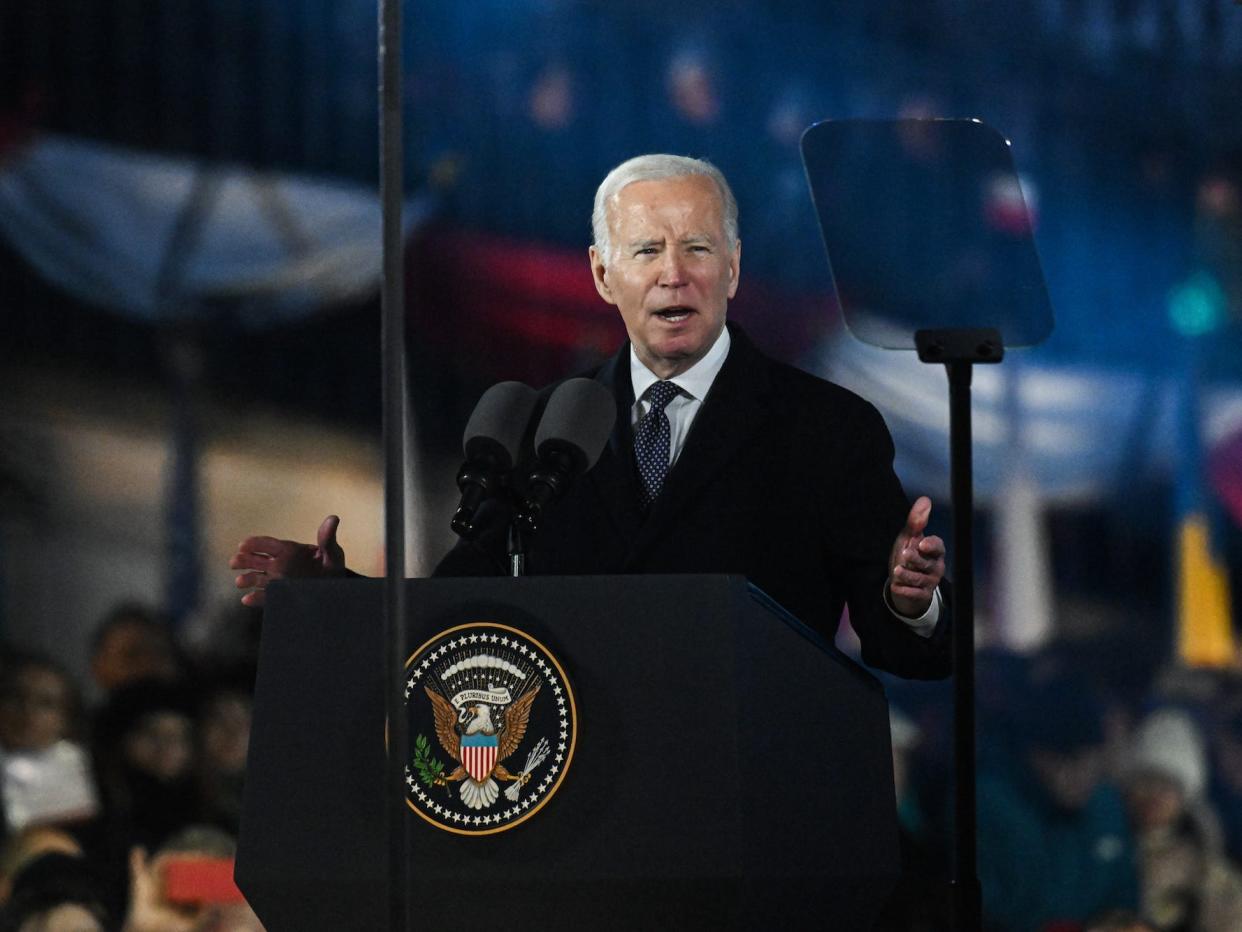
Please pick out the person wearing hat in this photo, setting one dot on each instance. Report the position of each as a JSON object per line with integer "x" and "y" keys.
{"x": 1187, "y": 885}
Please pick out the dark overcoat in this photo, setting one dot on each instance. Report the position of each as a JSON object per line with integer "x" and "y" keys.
{"x": 784, "y": 478}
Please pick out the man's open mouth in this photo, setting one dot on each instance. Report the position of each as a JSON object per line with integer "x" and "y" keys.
{"x": 674, "y": 314}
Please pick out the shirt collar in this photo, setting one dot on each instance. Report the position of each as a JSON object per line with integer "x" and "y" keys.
{"x": 695, "y": 381}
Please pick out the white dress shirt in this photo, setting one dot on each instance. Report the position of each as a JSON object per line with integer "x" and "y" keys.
{"x": 693, "y": 385}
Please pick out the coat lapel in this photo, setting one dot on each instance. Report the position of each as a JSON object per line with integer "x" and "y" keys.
{"x": 613, "y": 475}
{"x": 735, "y": 410}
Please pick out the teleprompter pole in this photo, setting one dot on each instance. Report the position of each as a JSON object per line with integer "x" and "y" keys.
{"x": 392, "y": 310}
{"x": 959, "y": 350}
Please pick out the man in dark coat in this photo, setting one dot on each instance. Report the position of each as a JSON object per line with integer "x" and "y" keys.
{"x": 722, "y": 461}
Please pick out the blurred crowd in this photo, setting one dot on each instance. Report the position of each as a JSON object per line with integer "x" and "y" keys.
{"x": 122, "y": 795}
{"x": 1102, "y": 806}
{"x": 1105, "y": 804}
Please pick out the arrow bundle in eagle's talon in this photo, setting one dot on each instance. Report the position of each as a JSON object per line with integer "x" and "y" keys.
{"x": 533, "y": 760}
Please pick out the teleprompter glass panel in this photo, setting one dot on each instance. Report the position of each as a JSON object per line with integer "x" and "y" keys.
{"x": 926, "y": 227}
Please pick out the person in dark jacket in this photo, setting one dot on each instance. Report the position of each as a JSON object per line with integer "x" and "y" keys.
{"x": 722, "y": 460}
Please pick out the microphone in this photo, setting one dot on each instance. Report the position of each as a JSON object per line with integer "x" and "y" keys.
{"x": 571, "y": 436}
{"x": 491, "y": 443}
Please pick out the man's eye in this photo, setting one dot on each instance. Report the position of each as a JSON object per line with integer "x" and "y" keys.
{"x": 646, "y": 251}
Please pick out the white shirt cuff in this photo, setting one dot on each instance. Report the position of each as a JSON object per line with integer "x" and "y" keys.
{"x": 925, "y": 624}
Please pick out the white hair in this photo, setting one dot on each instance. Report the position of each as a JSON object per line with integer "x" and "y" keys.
{"x": 657, "y": 168}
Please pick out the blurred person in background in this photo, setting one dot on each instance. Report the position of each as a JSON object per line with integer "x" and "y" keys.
{"x": 30, "y": 843}
{"x": 1226, "y": 784}
{"x": 45, "y": 774}
{"x": 223, "y": 741}
{"x": 154, "y": 907}
{"x": 144, "y": 746}
{"x": 1054, "y": 843}
{"x": 1187, "y": 885}
{"x": 132, "y": 643}
{"x": 55, "y": 892}
{"x": 223, "y": 643}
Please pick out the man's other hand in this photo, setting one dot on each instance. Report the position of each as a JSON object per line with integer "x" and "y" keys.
{"x": 916, "y": 564}
{"x": 266, "y": 558}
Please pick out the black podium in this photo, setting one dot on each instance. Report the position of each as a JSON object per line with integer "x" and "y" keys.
{"x": 732, "y": 770}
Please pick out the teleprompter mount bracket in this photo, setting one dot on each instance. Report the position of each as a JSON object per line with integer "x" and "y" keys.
{"x": 982, "y": 344}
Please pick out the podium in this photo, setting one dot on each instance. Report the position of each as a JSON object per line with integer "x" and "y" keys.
{"x": 732, "y": 769}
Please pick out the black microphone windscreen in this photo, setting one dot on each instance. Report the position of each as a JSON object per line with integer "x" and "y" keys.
{"x": 580, "y": 414}
{"x": 498, "y": 424}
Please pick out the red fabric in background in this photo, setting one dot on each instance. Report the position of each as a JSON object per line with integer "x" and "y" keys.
{"x": 510, "y": 309}
{"x": 1225, "y": 474}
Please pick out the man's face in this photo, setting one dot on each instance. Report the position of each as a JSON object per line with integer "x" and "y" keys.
{"x": 671, "y": 273}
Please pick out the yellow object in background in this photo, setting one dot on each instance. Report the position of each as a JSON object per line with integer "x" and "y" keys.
{"x": 1205, "y": 629}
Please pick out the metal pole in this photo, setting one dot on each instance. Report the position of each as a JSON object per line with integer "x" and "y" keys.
{"x": 967, "y": 897}
{"x": 959, "y": 349}
{"x": 392, "y": 309}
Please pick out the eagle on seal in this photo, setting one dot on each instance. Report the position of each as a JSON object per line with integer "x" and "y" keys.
{"x": 475, "y": 721}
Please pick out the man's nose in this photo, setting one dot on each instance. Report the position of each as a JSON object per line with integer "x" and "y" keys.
{"x": 672, "y": 270}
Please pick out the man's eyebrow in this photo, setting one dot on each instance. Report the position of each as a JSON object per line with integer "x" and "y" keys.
{"x": 643, "y": 243}
{"x": 697, "y": 238}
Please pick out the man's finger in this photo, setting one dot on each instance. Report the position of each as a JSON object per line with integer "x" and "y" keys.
{"x": 249, "y": 561}
{"x": 327, "y": 532}
{"x": 268, "y": 545}
{"x": 137, "y": 860}
{"x": 931, "y": 547}
{"x": 913, "y": 580}
{"x": 251, "y": 581}
{"x": 253, "y": 599}
{"x": 912, "y": 560}
{"x": 922, "y": 597}
{"x": 920, "y": 511}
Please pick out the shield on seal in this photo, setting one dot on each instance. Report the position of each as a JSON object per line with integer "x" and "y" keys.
{"x": 478, "y": 755}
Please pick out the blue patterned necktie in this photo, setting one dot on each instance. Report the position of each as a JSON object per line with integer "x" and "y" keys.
{"x": 652, "y": 440}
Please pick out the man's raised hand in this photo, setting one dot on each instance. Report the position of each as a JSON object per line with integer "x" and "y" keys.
{"x": 916, "y": 564}
{"x": 266, "y": 558}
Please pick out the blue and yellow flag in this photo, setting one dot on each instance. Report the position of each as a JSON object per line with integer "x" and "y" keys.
{"x": 1203, "y": 601}
{"x": 1204, "y": 622}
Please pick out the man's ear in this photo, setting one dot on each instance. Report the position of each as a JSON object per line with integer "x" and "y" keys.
{"x": 599, "y": 274}
{"x": 735, "y": 267}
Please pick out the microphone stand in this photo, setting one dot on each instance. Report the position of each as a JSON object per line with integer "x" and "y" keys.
{"x": 517, "y": 547}
{"x": 558, "y": 465}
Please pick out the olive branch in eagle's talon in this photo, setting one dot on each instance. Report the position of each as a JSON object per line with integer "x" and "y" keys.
{"x": 430, "y": 769}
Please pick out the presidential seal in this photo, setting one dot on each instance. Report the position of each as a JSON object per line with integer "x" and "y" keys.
{"x": 492, "y": 728}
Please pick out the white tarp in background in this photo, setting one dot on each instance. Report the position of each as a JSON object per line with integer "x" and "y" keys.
{"x": 97, "y": 220}
{"x": 1077, "y": 432}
